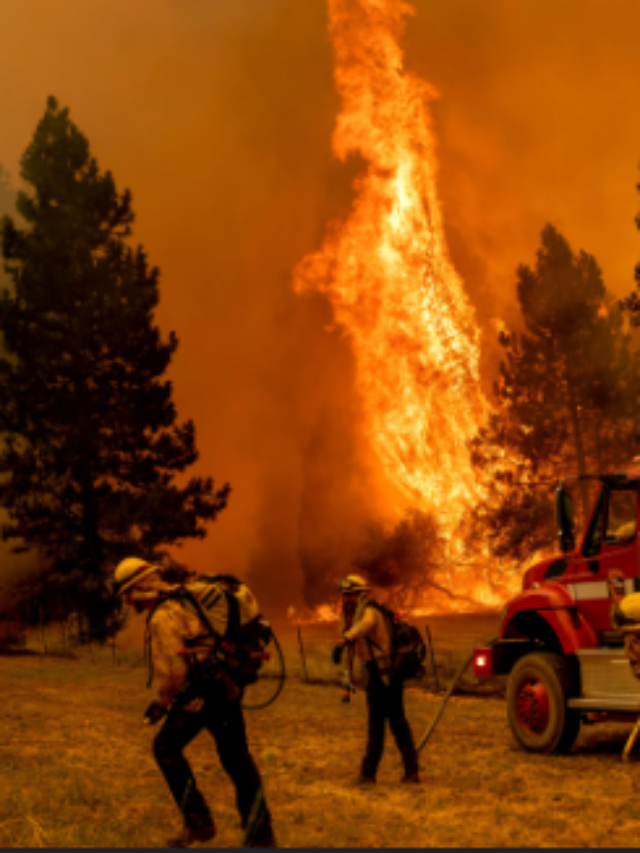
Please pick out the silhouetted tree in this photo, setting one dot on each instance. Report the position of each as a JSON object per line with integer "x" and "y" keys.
{"x": 7, "y": 204}
{"x": 91, "y": 446}
{"x": 406, "y": 559}
{"x": 565, "y": 401}
{"x": 631, "y": 304}
{"x": 7, "y": 195}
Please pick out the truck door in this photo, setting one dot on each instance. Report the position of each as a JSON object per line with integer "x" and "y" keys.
{"x": 610, "y": 548}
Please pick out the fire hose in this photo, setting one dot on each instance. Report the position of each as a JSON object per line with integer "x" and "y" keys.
{"x": 280, "y": 680}
{"x": 440, "y": 709}
{"x": 349, "y": 688}
{"x": 153, "y": 713}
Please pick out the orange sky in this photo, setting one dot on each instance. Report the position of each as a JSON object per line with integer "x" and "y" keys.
{"x": 218, "y": 115}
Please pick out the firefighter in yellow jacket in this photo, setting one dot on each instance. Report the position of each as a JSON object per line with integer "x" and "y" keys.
{"x": 187, "y": 706}
{"x": 366, "y": 632}
{"x": 625, "y": 615}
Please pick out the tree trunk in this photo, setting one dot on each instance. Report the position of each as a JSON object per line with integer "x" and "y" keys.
{"x": 92, "y": 546}
{"x": 578, "y": 441}
{"x": 90, "y": 517}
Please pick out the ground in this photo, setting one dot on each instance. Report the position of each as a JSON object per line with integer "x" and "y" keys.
{"x": 76, "y": 770}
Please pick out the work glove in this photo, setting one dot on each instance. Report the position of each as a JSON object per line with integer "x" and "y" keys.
{"x": 154, "y": 713}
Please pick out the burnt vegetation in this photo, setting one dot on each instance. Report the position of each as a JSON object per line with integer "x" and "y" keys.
{"x": 407, "y": 559}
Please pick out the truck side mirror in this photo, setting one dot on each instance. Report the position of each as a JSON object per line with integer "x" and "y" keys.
{"x": 565, "y": 520}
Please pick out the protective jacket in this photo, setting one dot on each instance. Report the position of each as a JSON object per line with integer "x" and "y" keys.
{"x": 180, "y": 629}
{"x": 625, "y": 615}
{"x": 170, "y": 627}
{"x": 370, "y": 625}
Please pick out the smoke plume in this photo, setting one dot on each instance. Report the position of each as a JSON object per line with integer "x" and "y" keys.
{"x": 219, "y": 115}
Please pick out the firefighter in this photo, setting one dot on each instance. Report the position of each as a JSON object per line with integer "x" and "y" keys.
{"x": 213, "y": 704}
{"x": 366, "y": 630}
{"x": 625, "y": 615}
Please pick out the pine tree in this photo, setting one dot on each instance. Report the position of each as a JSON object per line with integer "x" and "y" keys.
{"x": 631, "y": 304}
{"x": 7, "y": 204}
{"x": 565, "y": 398}
{"x": 91, "y": 444}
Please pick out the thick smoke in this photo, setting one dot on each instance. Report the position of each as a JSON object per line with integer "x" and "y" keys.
{"x": 316, "y": 492}
{"x": 219, "y": 115}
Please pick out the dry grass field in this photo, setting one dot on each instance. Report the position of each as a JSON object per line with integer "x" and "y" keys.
{"x": 76, "y": 768}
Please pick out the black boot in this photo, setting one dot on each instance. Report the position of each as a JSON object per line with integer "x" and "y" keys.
{"x": 411, "y": 778}
{"x": 189, "y": 835}
{"x": 267, "y": 839}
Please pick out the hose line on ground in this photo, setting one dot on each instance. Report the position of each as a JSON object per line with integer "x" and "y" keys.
{"x": 433, "y": 660}
{"x": 456, "y": 678}
{"x": 281, "y": 679}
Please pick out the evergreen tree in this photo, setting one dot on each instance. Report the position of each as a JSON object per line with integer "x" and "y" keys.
{"x": 7, "y": 196}
{"x": 7, "y": 204}
{"x": 91, "y": 444}
{"x": 631, "y": 304}
{"x": 565, "y": 398}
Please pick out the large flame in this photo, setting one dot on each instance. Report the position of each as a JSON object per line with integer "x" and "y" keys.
{"x": 322, "y": 614}
{"x": 387, "y": 272}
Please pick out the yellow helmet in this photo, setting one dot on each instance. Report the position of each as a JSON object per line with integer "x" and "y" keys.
{"x": 131, "y": 571}
{"x": 353, "y": 583}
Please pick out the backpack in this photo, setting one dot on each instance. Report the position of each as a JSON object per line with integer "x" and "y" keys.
{"x": 233, "y": 626}
{"x": 408, "y": 649}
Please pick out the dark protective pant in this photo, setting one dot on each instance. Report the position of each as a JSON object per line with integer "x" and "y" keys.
{"x": 225, "y": 722}
{"x": 386, "y": 702}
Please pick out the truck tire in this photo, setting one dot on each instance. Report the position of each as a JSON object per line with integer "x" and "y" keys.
{"x": 537, "y": 694}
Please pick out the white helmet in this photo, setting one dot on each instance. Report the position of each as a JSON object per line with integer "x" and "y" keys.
{"x": 353, "y": 583}
{"x": 131, "y": 571}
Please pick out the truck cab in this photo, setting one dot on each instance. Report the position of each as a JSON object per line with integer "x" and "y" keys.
{"x": 565, "y": 659}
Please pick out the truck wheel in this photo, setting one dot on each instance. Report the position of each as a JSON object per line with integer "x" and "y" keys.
{"x": 537, "y": 694}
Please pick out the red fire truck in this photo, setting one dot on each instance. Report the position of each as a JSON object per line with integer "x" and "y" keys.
{"x": 564, "y": 657}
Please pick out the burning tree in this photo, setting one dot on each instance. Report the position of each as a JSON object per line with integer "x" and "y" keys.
{"x": 91, "y": 446}
{"x": 565, "y": 401}
{"x": 387, "y": 273}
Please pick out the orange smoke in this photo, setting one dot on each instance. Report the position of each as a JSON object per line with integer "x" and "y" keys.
{"x": 387, "y": 273}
